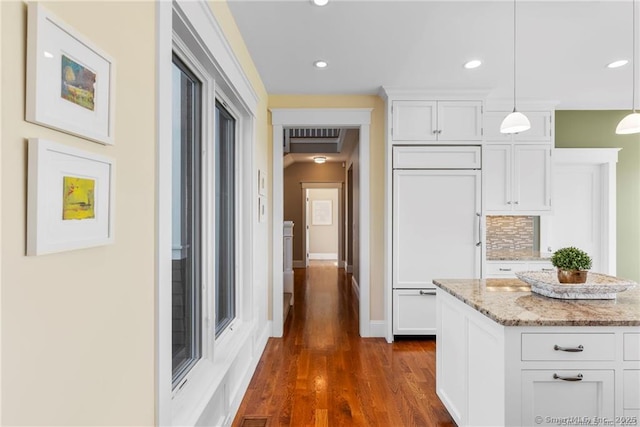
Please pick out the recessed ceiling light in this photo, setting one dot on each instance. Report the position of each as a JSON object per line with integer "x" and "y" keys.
{"x": 319, "y": 159}
{"x": 320, "y": 2}
{"x": 473, "y": 64}
{"x": 320, "y": 64}
{"x": 618, "y": 63}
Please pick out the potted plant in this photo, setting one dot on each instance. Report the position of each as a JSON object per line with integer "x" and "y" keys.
{"x": 572, "y": 264}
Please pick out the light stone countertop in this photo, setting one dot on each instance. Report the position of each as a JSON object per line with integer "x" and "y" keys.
{"x": 510, "y": 302}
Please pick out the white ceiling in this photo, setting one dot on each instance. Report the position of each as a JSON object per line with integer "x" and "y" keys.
{"x": 563, "y": 47}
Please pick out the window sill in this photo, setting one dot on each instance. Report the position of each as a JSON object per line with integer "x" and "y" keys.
{"x": 208, "y": 377}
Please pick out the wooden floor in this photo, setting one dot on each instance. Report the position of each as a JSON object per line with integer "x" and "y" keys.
{"x": 321, "y": 373}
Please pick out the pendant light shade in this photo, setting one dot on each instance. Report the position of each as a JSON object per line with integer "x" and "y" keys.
{"x": 631, "y": 122}
{"x": 515, "y": 122}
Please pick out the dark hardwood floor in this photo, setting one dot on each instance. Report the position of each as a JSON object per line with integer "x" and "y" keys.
{"x": 321, "y": 373}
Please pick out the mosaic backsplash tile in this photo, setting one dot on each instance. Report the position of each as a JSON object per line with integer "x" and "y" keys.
{"x": 509, "y": 233}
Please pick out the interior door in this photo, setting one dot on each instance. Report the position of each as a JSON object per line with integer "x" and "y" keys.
{"x": 436, "y": 227}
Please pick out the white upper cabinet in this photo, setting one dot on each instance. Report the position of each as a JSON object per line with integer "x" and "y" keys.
{"x": 541, "y": 129}
{"x": 517, "y": 178}
{"x": 419, "y": 122}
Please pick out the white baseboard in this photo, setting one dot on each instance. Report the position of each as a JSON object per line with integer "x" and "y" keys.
{"x": 355, "y": 286}
{"x": 377, "y": 328}
{"x": 349, "y": 268}
{"x": 299, "y": 263}
{"x": 262, "y": 336}
{"x": 322, "y": 256}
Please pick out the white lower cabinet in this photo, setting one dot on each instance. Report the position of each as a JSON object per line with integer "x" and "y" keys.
{"x": 414, "y": 311}
{"x": 548, "y": 396}
{"x": 631, "y": 393}
{"x": 488, "y": 374}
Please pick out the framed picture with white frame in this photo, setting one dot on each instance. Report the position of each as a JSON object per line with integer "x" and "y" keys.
{"x": 70, "y": 198}
{"x": 70, "y": 82}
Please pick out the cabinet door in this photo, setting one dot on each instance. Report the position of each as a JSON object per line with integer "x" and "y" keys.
{"x": 459, "y": 121}
{"x": 577, "y": 212}
{"x": 414, "y": 311}
{"x": 496, "y": 169}
{"x": 545, "y": 397}
{"x": 414, "y": 121}
{"x": 532, "y": 177}
{"x": 541, "y": 130}
{"x": 492, "y": 122}
{"x": 435, "y": 226}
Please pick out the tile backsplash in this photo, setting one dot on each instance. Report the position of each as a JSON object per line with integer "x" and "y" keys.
{"x": 510, "y": 233}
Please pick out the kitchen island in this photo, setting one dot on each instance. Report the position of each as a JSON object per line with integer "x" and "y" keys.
{"x": 506, "y": 356}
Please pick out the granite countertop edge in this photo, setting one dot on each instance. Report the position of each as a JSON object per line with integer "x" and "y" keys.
{"x": 538, "y": 322}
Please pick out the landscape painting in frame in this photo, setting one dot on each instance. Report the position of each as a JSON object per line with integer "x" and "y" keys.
{"x": 70, "y": 198}
{"x": 78, "y": 83}
{"x": 70, "y": 82}
{"x": 78, "y": 201}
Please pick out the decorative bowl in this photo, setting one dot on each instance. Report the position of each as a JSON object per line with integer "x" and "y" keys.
{"x": 597, "y": 286}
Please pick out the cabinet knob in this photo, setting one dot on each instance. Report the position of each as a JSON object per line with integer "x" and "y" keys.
{"x": 577, "y": 349}
{"x": 576, "y": 378}
{"x": 435, "y": 132}
{"x": 439, "y": 131}
{"x": 517, "y": 203}
{"x": 509, "y": 202}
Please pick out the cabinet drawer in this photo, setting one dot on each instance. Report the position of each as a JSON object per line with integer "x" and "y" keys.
{"x": 559, "y": 346}
{"x": 505, "y": 269}
{"x": 631, "y": 346}
{"x": 414, "y": 311}
{"x": 460, "y": 157}
{"x": 552, "y": 393}
{"x": 540, "y": 266}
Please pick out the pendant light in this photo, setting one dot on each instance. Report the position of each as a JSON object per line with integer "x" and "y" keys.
{"x": 631, "y": 123}
{"x": 516, "y": 121}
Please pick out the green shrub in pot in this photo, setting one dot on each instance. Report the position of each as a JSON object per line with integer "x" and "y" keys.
{"x": 572, "y": 264}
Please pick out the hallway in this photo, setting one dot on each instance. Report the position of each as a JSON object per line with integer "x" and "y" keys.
{"x": 321, "y": 373}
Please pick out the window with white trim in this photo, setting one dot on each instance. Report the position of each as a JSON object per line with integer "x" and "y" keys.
{"x": 186, "y": 295}
{"x": 204, "y": 211}
{"x": 225, "y": 214}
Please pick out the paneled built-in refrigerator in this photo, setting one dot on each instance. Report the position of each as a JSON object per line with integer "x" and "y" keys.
{"x": 436, "y": 232}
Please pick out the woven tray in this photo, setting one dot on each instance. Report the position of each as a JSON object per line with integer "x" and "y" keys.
{"x": 598, "y": 286}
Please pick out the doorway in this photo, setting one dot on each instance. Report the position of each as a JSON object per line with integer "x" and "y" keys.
{"x": 322, "y": 223}
{"x": 310, "y": 117}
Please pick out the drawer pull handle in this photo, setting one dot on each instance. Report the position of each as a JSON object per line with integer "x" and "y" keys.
{"x": 576, "y": 378}
{"x": 427, "y": 292}
{"x": 505, "y": 269}
{"x": 577, "y": 349}
{"x": 548, "y": 269}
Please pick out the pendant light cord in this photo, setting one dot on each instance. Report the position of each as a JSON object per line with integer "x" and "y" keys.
{"x": 514, "y": 55}
{"x": 633, "y": 77}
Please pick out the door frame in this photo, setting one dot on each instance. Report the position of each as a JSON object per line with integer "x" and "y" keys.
{"x": 359, "y": 118}
{"x": 606, "y": 159}
{"x": 306, "y": 186}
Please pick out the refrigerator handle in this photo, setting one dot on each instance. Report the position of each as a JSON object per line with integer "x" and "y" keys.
{"x": 479, "y": 216}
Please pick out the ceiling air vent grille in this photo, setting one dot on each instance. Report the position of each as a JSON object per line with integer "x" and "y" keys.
{"x": 314, "y": 133}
